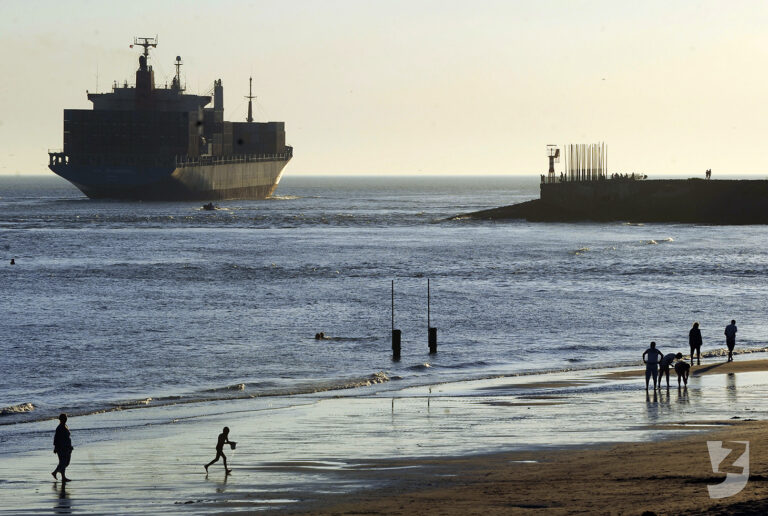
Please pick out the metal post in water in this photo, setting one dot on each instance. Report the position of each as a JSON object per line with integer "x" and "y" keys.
{"x": 431, "y": 332}
{"x": 396, "y": 335}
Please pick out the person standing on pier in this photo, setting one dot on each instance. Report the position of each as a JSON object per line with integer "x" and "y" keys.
{"x": 730, "y": 339}
{"x": 694, "y": 341}
{"x": 62, "y": 446}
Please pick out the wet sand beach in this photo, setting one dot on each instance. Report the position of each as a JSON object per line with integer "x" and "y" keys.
{"x": 665, "y": 477}
{"x": 547, "y": 443}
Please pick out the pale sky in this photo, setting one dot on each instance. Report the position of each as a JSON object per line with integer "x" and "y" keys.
{"x": 417, "y": 86}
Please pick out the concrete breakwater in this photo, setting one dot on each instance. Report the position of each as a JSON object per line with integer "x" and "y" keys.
{"x": 666, "y": 200}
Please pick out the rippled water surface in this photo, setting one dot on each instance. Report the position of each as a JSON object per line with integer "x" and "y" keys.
{"x": 116, "y": 304}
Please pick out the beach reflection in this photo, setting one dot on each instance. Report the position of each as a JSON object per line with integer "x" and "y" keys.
{"x": 651, "y": 407}
{"x": 62, "y": 504}
{"x": 730, "y": 388}
{"x": 222, "y": 485}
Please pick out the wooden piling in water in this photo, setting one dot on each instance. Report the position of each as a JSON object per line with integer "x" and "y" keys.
{"x": 396, "y": 334}
{"x": 431, "y": 332}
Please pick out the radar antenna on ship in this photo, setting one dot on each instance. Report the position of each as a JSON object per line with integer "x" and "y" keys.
{"x": 250, "y": 98}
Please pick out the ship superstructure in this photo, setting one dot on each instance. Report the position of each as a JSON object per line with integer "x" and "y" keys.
{"x": 149, "y": 143}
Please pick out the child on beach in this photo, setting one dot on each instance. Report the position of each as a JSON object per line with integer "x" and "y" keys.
{"x": 682, "y": 368}
{"x": 223, "y": 439}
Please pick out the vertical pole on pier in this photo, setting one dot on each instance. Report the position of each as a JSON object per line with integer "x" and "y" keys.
{"x": 574, "y": 162}
{"x": 395, "y": 333}
{"x": 431, "y": 332}
{"x": 578, "y": 162}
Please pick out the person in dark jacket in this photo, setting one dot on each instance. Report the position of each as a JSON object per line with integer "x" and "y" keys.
{"x": 694, "y": 340}
{"x": 730, "y": 339}
{"x": 62, "y": 446}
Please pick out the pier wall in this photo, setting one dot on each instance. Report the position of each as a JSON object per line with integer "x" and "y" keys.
{"x": 673, "y": 200}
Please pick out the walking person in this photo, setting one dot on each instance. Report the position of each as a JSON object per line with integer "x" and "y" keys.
{"x": 223, "y": 439}
{"x": 651, "y": 364}
{"x": 694, "y": 341}
{"x": 62, "y": 446}
{"x": 730, "y": 339}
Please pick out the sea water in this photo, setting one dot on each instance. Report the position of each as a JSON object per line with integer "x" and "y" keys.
{"x": 114, "y": 305}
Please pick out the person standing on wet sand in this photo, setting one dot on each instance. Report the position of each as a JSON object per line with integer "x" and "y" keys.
{"x": 694, "y": 341}
{"x": 665, "y": 364}
{"x": 651, "y": 364}
{"x": 730, "y": 339}
{"x": 223, "y": 439}
{"x": 62, "y": 446}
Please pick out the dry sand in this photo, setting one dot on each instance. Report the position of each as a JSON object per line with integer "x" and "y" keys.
{"x": 666, "y": 477}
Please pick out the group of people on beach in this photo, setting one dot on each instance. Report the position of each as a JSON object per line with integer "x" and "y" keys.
{"x": 657, "y": 367}
{"x": 657, "y": 364}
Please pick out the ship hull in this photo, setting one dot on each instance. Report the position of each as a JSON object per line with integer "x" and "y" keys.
{"x": 187, "y": 182}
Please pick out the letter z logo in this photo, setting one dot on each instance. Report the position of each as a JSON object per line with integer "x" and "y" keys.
{"x": 734, "y": 482}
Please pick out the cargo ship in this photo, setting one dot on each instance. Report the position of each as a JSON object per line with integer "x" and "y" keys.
{"x": 142, "y": 142}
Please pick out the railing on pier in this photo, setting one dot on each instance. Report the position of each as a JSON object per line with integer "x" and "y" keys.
{"x": 186, "y": 161}
{"x": 565, "y": 178}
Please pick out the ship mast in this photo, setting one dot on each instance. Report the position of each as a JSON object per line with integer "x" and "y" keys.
{"x": 250, "y": 98}
{"x": 176, "y": 83}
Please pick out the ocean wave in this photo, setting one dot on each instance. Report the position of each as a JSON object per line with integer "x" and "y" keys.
{"x": 467, "y": 365}
{"x": 659, "y": 241}
{"x": 231, "y": 392}
{"x": 722, "y": 352}
{"x": 17, "y": 409}
{"x": 283, "y": 197}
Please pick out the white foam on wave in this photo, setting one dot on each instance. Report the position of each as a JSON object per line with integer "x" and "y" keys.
{"x": 722, "y": 352}
{"x": 17, "y": 409}
{"x": 283, "y": 197}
